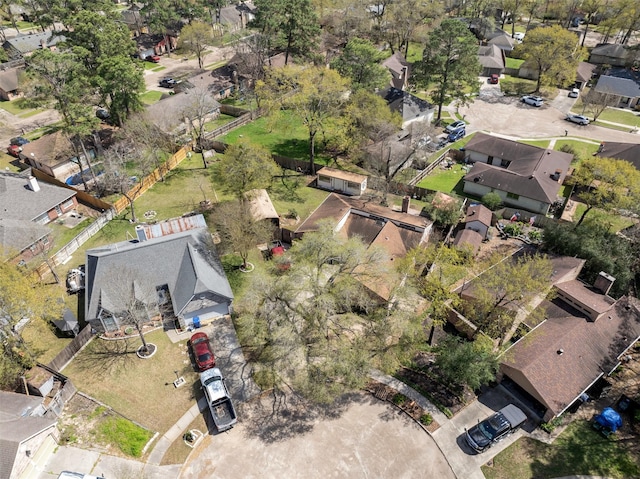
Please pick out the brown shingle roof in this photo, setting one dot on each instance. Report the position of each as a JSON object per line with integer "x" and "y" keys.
{"x": 468, "y": 238}
{"x": 479, "y": 213}
{"x": 622, "y": 151}
{"x": 50, "y": 150}
{"x": 342, "y": 175}
{"x": 587, "y": 295}
{"x": 9, "y": 80}
{"x": 588, "y": 350}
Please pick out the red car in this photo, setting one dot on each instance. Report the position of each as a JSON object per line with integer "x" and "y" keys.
{"x": 494, "y": 79}
{"x": 202, "y": 351}
{"x": 14, "y": 150}
{"x": 153, "y": 58}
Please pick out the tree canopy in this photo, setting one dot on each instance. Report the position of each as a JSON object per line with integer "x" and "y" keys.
{"x": 360, "y": 62}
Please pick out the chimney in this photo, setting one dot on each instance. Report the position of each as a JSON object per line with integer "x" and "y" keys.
{"x": 141, "y": 234}
{"x": 604, "y": 282}
{"x": 405, "y": 204}
{"x": 556, "y": 175}
{"x": 33, "y": 184}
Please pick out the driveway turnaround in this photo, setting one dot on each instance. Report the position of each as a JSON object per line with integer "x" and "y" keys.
{"x": 366, "y": 439}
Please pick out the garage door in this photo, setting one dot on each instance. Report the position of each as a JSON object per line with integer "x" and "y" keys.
{"x": 39, "y": 460}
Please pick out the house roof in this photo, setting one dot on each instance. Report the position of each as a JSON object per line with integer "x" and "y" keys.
{"x": 587, "y": 295}
{"x": 34, "y": 41}
{"x": 342, "y": 175}
{"x": 479, "y": 213}
{"x": 503, "y": 41}
{"x": 18, "y": 426}
{"x": 9, "y": 79}
{"x": 622, "y": 151}
{"x": 168, "y": 114}
{"x": 147, "y": 41}
{"x": 470, "y": 238}
{"x": 400, "y": 69}
{"x": 490, "y": 56}
{"x": 50, "y": 150}
{"x": 19, "y": 202}
{"x": 566, "y": 353}
{"x": 18, "y": 235}
{"x": 260, "y": 205}
{"x": 530, "y": 172}
{"x": 409, "y": 106}
{"x": 618, "y": 86}
{"x": 189, "y": 266}
{"x": 585, "y": 71}
{"x": 614, "y": 50}
{"x": 171, "y": 226}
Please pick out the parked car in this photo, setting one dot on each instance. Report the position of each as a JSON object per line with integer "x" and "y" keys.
{"x": 103, "y": 114}
{"x": 495, "y": 428}
{"x": 18, "y": 140}
{"x": 532, "y": 100}
{"x": 518, "y": 36}
{"x": 455, "y": 126}
{"x": 456, "y": 135}
{"x": 218, "y": 399}
{"x": 579, "y": 119}
{"x": 202, "y": 352}
{"x": 167, "y": 82}
{"x": 494, "y": 79}
{"x": 153, "y": 58}
{"x": 14, "y": 150}
{"x": 574, "y": 93}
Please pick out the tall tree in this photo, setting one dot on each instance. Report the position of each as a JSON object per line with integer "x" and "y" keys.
{"x": 244, "y": 167}
{"x": 464, "y": 363}
{"x": 554, "y": 54}
{"x": 161, "y": 16}
{"x": 450, "y": 64}
{"x": 360, "y": 62}
{"x": 315, "y": 95}
{"x": 607, "y": 183}
{"x": 200, "y": 107}
{"x": 196, "y": 38}
{"x": 403, "y": 18}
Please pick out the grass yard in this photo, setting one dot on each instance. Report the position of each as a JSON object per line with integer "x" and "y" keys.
{"x": 579, "y": 450}
{"x": 610, "y": 126}
{"x": 538, "y": 143}
{"x": 513, "y": 63}
{"x": 9, "y": 163}
{"x": 218, "y": 122}
{"x": 214, "y": 66}
{"x": 617, "y": 115}
{"x": 615, "y": 222}
{"x": 140, "y": 389}
{"x": 179, "y": 451}
{"x": 414, "y": 54}
{"x": 443, "y": 180}
{"x": 19, "y": 108}
{"x": 582, "y": 149}
{"x": 292, "y": 195}
{"x": 150, "y": 97}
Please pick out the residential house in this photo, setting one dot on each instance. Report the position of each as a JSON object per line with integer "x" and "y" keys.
{"x": 149, "y": 44}
{"x": 478, "y": 218}
{"x": 235, "y": 17}
{"x": 468, "y": 239}
{"x": 582, "y": 341}
{"x": 341, "y": 181}
{"x": 177, "y": 277}
{"x": 609, "y": 54}
{"x": 410, "y": 107}
{"x": 24, "y": 45}
{"x": 504, "y": 42}
{"x": 9, "y": 89}
{"x": 28, "y": 205}
{"x": 623, "y": 85}
{"x": 622, "y": 151}
{"x": 524, "y": 176}
{"x": 171, "y": 113}
{"x": 56, "y": 156}
{"x": 27, "y": 435}
{"x": 132, "y": 17}
{"x": 584, "y": 74}
{"x": 395, "y": 231}
{"x": 492, "y": 59}
{"x": 400, "y": 70}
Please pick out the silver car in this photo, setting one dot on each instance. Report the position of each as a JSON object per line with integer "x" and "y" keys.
{"x": 579, "y": 119}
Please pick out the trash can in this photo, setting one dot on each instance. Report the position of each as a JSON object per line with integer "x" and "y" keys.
{"x": 196, "y": 322}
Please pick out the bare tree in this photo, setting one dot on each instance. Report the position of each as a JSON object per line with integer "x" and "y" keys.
{"x": 597, "y": 102}
{"x": 200, "y": 108}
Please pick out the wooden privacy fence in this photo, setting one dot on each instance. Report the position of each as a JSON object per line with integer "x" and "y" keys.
{"x": 67, "y": 354}
{"x": 432, "y": 166}
{"x": 82, "y": 196}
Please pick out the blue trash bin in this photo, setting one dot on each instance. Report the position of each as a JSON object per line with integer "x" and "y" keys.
{"x": 196, "y": 322}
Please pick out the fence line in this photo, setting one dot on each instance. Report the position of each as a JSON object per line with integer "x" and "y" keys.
{"x": 432, "y": 166}
{"x": 67, "y": 354}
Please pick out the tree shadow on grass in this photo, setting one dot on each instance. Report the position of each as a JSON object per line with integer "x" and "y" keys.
{"x": 109, "y": 356}
{"x": 285, "y": 187}
{"x": 293, "y": 148}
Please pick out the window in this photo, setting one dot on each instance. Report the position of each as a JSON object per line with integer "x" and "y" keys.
{"x": 353, "y": 186}
{"x": 67, "y": 204}
{"x": 513, "y": 196}
{"x": 490, "y": 160}
{"x": 505, "y": 163}
{"x": 324, "y": 179}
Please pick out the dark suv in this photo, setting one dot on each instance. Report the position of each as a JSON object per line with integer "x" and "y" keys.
{"x": 486, "y": 433}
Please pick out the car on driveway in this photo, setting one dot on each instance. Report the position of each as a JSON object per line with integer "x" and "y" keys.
{"x": 202, "y": 352}
{"x": 579, "y": 119}
{"x": 14, "y": 150}
{"x": 153, "y": 58}
{"x": 494, "y": 79}
{"x": 532, "y": 100}
{"x": 495, "y": 428}
{"x": 455, "y": 126}
{"x": 574, "y": 93}
{"x": 518, "y": 36}
{"x": 167, "y": 82}
{"x": 456, "y": 135}
{"x": 18, "y": 140}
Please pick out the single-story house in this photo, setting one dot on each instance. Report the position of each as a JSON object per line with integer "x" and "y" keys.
{"x": 27, "y": 436}
{"x": 627, "y": 90}
{"x": 177, "y": 277}
{"x": 584, "y": 74}
{"x": 622, "y": 151}
{"x": 410, "y": 107}
{"x": 524, "y": 176}
{"x": 154, "y": 44}
{"x": 9, "y": 88}
{"x": 492, "y": 59}
{"x": 609, "y": 54}
{"x": 55, "y": 155}
{"x": 236, "y": 17}
{"x": 24, "y": 44}
{"x": 341, "y": 181}
{"x": 574, "y": 347}
{"x": 28, "y": 205}
{"x": 395, "y": 231}
{"x": 504, "y": 42}
{"x": 400, "y": 70}
{"x": 478, "y": 218}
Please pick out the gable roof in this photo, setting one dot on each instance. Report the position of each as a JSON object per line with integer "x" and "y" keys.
{"x": 478, "y": 213}
{"x": 19, "y": 202}
{"x": 585, "y": 71}
{"x": 186, "y": 262}
{"x": 34, "y": 41}
{"x": 469, "y": 238}
{"x": 17, "y": 235}
{"x": 614, "y": 50}
{"x": 490, "y": 56}
{"x": 9, "y": 79}
{"x": 50, "y": 150}
{"x": 409, "y": 106}
{"x": 503, "y": 41}
{"x": 260, "y": 205}
{"x": 566, "y": 353}
{"x": 618, "y": 86}
{"x": 399, "y": 68}
{"x": 530, "y": 172}
{"x": 622, "y": 151}
{"x": 169, "y": 113}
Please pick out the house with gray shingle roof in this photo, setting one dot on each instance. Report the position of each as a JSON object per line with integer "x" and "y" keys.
{"x": 26, "y": 205}
{"x": 177, "y": 276}
{"x": 609, "y": 54}
{"x": 24, "y": 45}
{"x": 525, "y": 176}
{"x": 410, "y": 107}
{"x": 400, "y": 70}
{"x": 27, "y": 438}
{"x": 627, "y": 90}
{"x": 492, "y": 59}
{"x": 9, "y": 84}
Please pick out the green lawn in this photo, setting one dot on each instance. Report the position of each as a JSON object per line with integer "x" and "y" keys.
{"x": 18, "y": 108}
{"x": 218, "y": 122}
{"x": 9, "y": 163}
{"x": 626, "y": 117}
{"x": 443, "y": 180}
{"x": 511, "y": 85}
{"x": 213, "y": 66}
{"x": 538, "y": 143}
{"x": 609, "y": 125}
{"x": 579, "y": 450}
{"x": 150, "y": 97}
{"x": 582, "y": 149}
{"x": 415, "y": 52}
{"x": 513, "y": 63}
{"x": 616, "y": 222}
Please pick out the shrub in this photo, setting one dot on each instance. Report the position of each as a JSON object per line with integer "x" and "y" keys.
{"x": 426, "y": 419}
{"x": 535, "y": 235}
{"x": 548, "y": 427}
{"x": 492, "y": 200}
{"x": 399, "y": 399}
{"x": 513, "y": 229}
{"x": 568, "y": 149}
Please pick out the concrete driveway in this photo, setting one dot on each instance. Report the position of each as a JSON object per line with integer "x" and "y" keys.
{"x": 363, "y": 438}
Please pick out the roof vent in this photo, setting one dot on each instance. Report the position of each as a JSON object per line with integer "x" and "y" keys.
{"x": 560, "y": 352}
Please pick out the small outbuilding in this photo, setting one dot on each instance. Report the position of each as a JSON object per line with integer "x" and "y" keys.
{"x": 341, "y": 181}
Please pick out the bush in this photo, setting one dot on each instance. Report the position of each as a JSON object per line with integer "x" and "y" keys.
{"x": 492, "y": 200}
{"x": 426, "y": 419}
{"x": 568, "y": 149}
{"x": 535, "y": 235}
{"x": 399, "y": 399}
{"x": 513, "y": 229}
{"x": 548, "y": 427}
